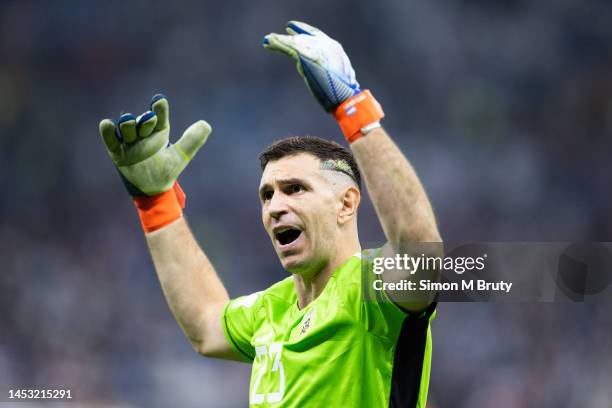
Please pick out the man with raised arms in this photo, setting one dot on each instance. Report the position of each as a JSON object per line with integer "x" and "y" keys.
{"x": 321, "y": 337}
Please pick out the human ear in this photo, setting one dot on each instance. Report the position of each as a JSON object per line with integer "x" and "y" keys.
{"x": 349, "y": 202}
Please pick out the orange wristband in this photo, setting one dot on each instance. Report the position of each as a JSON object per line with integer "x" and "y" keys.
{"x": 356, "y": 113}
{"x": 160, "y": 210}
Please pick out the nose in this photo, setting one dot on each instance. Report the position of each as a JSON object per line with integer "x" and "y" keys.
{"x": 277, "y": 206}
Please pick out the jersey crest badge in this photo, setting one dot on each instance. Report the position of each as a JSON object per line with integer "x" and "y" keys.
{"x": 307, "y": 321}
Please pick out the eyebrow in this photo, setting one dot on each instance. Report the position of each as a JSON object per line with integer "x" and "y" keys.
{"x": 284, "y": 182}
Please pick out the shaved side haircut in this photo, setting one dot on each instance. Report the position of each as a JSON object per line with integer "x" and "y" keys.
{"x": 333, "y": 156}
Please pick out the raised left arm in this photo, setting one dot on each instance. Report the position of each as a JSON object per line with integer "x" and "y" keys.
{"x": 403, "y": 210}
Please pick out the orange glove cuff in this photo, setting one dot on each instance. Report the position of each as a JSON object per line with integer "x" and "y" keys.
{"x": 160, "y": 210}
{"x": 356, "y": 113}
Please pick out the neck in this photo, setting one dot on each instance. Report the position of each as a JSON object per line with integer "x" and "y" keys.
{"x": 309, "y": 288}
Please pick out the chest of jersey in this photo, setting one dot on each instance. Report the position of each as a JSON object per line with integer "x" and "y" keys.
{"x": 302, "y": 351}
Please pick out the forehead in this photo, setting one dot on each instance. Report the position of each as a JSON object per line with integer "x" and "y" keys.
{"x": 302, "y": 165}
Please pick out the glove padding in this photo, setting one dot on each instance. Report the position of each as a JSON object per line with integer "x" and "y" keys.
{"x": 140, "y": 149}
{"x": 320, "y": 60}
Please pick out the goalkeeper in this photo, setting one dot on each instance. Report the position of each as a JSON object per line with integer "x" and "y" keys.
{"x": 314, "y": 339}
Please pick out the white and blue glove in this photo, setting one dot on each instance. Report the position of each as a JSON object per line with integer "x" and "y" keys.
{"x": 328, "y": 73}
{"x": 320, "y": 60}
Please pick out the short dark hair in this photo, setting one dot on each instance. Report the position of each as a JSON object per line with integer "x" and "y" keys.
{"x": 324, "y": 150}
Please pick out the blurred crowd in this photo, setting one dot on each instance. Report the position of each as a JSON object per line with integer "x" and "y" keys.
{"x": 503, "y": 107}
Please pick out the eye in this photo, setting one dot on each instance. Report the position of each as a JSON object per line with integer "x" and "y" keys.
{"x": 296, "y": 188}
{"x": 267, "y": 195}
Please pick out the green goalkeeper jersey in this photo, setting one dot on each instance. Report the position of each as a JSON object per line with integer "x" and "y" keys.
{"x": 350, "y": 347}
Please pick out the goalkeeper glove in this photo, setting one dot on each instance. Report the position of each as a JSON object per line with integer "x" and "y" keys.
{"x": 328, "y": 73}
{"x": 148, "y": 164}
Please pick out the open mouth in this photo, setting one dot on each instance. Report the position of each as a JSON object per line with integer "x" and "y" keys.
{"x": 287, "y": 236}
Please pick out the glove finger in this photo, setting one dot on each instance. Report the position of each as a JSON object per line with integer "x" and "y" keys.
{"x": 109, "y": 135}
{"x": 300, "y": 68}
{"x": 127, "y": 127}
{"x": 298, "y": 27}
{"x": 145, "y": 124}
{"x": 159, "y": 105}
{"x": 285, "y": 44}
{"x": 194, "y": 137}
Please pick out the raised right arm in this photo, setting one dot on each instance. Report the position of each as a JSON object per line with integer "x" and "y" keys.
{"x": 149, "y": 166}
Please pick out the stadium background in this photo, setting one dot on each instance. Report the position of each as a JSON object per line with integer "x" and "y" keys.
{"x": 504, "y": 108}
